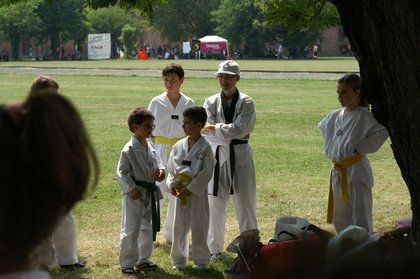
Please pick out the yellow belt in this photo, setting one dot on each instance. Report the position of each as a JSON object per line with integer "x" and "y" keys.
{"x": 342, "y": 168}
{"x": 169, "y": 141}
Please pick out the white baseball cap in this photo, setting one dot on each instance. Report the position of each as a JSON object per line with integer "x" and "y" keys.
{"x": 229, "y": 67}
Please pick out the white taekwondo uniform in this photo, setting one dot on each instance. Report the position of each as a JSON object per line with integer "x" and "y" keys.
{"x": 198, "y": 163}
{"x": 167, "y": 132}
{"x": 61, "y": 247}
{"x": 229, "y": 137}
{"x": 136, "y": 239}
{"x": 346, "y": 136}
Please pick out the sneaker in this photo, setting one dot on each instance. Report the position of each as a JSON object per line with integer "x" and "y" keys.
{"x": 147, "y": 266}
{"x": 180, "y": 266}
{"x": 215, "y": 257}
{"x": 201, "y": 266}
{"x": 128, "y": 270}
{"x": 72, "y": 266}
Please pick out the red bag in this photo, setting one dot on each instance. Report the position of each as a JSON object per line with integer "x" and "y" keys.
{"x": 294, "y": 258}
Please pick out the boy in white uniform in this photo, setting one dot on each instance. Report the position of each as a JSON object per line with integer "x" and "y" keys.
{"x": 350, "y": 133}
{"x": 167, "y": 109}
{"x": 138, "y": 169}
{"x": 231, "y": 119}
{"x": 190, "y": 167}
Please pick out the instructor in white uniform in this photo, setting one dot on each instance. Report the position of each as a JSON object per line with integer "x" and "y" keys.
{"x": 231, "y": 119}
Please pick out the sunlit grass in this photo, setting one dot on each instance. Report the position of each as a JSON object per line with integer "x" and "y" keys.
{"x": 330, "y": 64}
{"x": 288, "y": 150}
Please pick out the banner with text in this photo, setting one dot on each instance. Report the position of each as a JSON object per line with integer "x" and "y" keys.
{"x": 99, "y": 46}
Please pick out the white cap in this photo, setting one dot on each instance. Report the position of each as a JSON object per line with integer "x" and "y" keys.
{"x": 229, "y": 67}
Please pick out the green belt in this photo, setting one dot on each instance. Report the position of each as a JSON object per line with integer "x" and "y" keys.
{"x": 153, "y": 190}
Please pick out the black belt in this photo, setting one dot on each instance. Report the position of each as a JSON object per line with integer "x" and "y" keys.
{"x": 232, "y": 165}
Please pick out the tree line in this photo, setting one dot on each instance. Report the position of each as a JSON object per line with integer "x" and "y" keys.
{"x": 247, "y": 24}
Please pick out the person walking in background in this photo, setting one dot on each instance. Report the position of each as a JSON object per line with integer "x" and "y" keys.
{"x": 231, "y": 119}
{"x": 167, "y": 109}
{"x": 350, "y": 133}
{"x": 56, "y": 175}
{"x": 190, "y": 167}
{"x": 138, "y": 168}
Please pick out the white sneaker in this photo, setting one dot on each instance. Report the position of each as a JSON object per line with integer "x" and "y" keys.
{"x": 180, "y": 266}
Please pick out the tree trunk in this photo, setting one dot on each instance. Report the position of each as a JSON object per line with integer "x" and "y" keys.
{"x": 384, "y": 38}
{"x": 55, "y": 43}
{"x": 15, "y": 44}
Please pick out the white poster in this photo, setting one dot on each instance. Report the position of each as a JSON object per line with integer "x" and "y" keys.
{"x": 186, "y": 48}
{"x": 99, "y": 46}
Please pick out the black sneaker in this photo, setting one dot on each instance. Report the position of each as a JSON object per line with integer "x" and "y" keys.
{"x": 128, "y": 270}
{"x": 73, "y": 266}
{"x": 146, "y": 266}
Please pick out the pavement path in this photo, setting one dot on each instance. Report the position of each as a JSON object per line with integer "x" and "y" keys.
{"x": 158, "y": 73}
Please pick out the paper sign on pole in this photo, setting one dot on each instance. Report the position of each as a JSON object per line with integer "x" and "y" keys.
{"x": 99, "y": 46}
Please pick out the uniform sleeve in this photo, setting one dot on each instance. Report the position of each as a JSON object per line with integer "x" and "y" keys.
{"x": 159, "y": 162}
{"x": 170, "y": 169}
{"x": 374, "y": 140}
{"x": 201, "y": 180}
{"x": 322, "y": 125}
{"x": 152, "y": 106}
{"x": 124, "y": 172}
{"x": 190, "y": 103}
{"x": 211, "y": 112}
{"x": 242, "y": 125}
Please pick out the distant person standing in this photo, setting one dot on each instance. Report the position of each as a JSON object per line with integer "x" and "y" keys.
{"x": 280, "y": 52}
{"x": 167, "y": 109}
{"x": 315, "y": 50}
{"x": 231, "y": 119}
{"x": 350, "y": 133}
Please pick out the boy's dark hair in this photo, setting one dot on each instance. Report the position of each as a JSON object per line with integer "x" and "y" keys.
{"x": 196, "y": 114}
{"x": 355, "y": 83}
{"x": 173, "y": 69}
{"x": 42, "y": 83}
{"x": 138, "y": 116}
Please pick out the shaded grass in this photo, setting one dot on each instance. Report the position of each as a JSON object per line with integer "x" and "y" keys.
{"x": 288, "y": 153}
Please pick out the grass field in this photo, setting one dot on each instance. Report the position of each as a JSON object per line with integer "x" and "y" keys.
{"x": 288, "y": 148}
{"x": 331, "y": 64}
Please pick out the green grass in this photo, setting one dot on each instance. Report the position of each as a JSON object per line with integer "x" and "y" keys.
{"x": 331, "y": 64}
{"x": 288, "y": 148}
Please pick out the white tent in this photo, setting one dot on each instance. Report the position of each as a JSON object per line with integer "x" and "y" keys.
{"x": 213, "y": 43}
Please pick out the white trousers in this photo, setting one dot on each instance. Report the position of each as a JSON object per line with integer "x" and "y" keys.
{"x": 64, "y": 239}
{"x": 60, "y": 247}
{"x": 193, "y": 216}
{"x": 358, "y": 211}
{"x": 244, "y": 198}
{"x": 169, "y": 220}
{"x": 136, "y": 238}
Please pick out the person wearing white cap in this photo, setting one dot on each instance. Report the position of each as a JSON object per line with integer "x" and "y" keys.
{"x": 231, "y": 119}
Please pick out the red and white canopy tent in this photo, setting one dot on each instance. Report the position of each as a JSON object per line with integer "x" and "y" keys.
{"x": 214, "y": 43}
